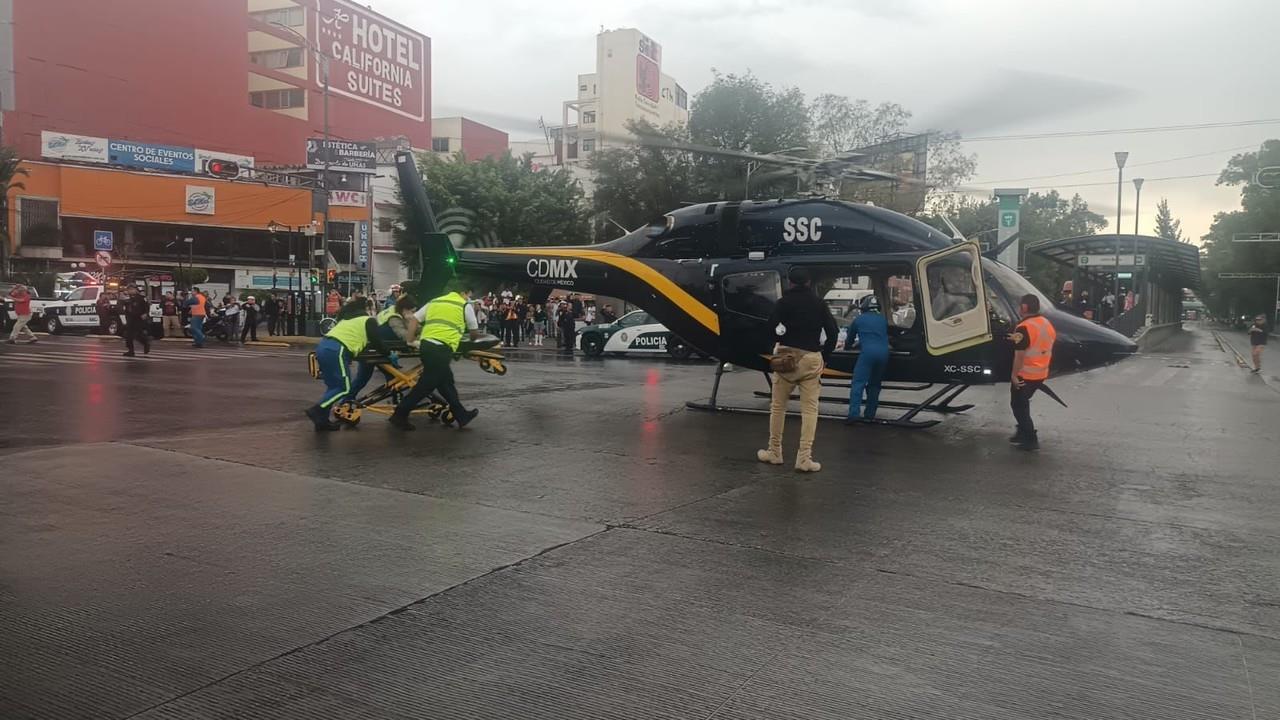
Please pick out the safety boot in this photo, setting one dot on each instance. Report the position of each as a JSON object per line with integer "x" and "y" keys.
{"x": 465, "y": 417}
{"x": 400, "y": 423}
{"x": 1030, "y": 441}
{"x": 772, "y": 457}
{"x": 320, "y": 418}
{"x": 808, "y": 465}
{"x": 1016, "y": 437}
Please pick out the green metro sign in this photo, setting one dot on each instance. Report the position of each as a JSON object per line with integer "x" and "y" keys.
{"x": 1008, "y": 219}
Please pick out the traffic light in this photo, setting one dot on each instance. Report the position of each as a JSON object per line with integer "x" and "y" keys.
{"x": 333, "y": 275}
{"x": 315, "y": 277}
{"x": 223, "y": 169}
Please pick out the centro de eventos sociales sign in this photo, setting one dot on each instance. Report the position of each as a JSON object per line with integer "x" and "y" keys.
{"x": 373, "y": 60}
{"x": 131, "y": 153}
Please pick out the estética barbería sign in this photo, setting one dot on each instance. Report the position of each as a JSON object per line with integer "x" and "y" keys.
{"x": 133, "y": 153}
{"x": 343, "y": 155}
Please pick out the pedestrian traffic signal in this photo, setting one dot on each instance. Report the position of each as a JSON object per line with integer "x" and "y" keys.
{"x": 333, "y": 275}
{"x": 222, "y": 168}
{"x": 314, "y": 278}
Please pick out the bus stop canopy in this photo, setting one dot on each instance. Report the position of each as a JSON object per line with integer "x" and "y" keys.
{"x": 1171, "y": 264}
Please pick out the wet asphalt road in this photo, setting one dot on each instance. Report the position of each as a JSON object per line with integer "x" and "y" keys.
{"x": 176, "y": 543}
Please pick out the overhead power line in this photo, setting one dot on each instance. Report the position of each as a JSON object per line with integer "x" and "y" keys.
{"x": 1112, "y": 183}
{"x": 1121, "y": 131}
{"x": 1112, "y": 168}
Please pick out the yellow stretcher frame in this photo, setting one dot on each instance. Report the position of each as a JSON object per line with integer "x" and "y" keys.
{"x": 383, "y": 399}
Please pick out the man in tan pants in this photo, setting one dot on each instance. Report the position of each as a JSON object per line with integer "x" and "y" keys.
{"x": 799, "y": 318}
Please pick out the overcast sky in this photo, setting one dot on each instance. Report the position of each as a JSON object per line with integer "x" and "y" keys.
{"x": 997, "y": 67}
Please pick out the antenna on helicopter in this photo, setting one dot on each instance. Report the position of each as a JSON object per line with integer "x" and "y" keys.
{"x": 955, "y": 231}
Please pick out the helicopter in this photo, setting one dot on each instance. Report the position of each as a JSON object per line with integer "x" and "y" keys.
{"x": 712, "y": 272}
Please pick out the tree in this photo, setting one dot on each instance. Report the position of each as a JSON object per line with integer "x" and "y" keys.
{"x": 499, "y": 200}
{"x": 1166, "y": 226}
{"x": 741, "y": 112}
{"x": 9, "y": 171}
{"x": 636, "y": 184}
{"x": 841, "y": 124}
{"x": 1259, "y": 212}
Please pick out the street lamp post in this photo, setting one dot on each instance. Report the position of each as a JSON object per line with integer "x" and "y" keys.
{"x": 1115, "y": 293}
{"x": 1137, "y": 219}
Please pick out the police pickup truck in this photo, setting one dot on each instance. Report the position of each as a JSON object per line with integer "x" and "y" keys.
{"x": 635, "y": 332}
{"x": 79, "y": 311}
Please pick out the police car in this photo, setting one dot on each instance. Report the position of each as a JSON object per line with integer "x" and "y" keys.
{"x": 79, "y": 311}
{"x": 635, "y": 332}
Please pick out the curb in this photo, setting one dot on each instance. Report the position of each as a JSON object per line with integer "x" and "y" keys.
{"x": 265, "y": 343}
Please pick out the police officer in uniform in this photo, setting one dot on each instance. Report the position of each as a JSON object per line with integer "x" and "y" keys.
{"x": 445, "y": 321}
{"x": 1033, "y": 352}
{"x": 334, "y": 353}
{"x": 872, "y": 331}
{"x": 137, "y": 314}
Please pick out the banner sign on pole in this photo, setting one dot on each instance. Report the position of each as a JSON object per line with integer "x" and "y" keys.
{"x": 362, "y": 250}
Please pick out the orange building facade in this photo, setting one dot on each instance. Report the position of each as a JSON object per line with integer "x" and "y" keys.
{"x": 117, "y": 143}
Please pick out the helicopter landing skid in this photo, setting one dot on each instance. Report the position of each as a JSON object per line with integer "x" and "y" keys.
{"x": 906, "y": 420}
{"x": 945, "y": 407}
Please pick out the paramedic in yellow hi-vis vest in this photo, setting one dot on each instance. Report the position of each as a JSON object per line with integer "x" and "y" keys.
{"x": 445, "y": 321}
{"x": 334, "y": 354}
{"x": 1032, "y": 354}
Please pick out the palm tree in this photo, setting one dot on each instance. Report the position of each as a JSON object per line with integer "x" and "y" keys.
{"x": 9, "y": 170}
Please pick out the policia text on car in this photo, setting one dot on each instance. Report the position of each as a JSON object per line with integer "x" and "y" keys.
{"x": 445, "y": 320}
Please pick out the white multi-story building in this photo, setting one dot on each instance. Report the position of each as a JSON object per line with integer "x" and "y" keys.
{"x": 628, "y": 85}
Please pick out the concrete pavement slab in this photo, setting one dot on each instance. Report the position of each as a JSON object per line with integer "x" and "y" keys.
{"x": 135, "y": 575}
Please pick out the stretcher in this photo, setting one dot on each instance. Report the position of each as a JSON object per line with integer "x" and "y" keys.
{"x": 398, "y": 380}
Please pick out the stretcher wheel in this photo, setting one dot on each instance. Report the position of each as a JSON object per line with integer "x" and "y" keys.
{"x": 348, "y": 413}
{"x": 499, "y": 368}
{"x": 313, "y": 365}
{"x": 434, "y": 411}
{"x": 446, "y": 417}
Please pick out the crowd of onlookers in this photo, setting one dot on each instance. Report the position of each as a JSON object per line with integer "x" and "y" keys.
{"x": 513, "y": 317}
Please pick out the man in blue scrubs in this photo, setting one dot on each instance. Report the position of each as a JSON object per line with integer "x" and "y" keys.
{"x": 871, "y": 328}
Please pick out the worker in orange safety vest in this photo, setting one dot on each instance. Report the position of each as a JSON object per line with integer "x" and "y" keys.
{"x": 1032, "y": 353}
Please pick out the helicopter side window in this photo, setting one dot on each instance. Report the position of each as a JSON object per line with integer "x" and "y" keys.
{"x": 902, "y": 301}
{"x": 951, "y": 290}
{"x": 752, "y": 293}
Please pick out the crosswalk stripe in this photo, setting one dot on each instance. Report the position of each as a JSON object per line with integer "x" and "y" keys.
{"x": 42, "y": 360}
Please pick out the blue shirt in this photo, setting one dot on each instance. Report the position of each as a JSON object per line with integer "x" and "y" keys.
{"x": 873, "y": 330}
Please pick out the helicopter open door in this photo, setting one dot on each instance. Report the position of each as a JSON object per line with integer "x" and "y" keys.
{"x": 955, "y": 301}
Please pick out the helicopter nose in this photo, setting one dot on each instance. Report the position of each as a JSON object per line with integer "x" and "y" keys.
{"x": 1082, "y": 344}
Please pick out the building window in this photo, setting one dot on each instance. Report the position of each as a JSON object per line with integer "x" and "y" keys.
{"x": 682, "y": 98}
{"x": 385, "y": 224}
{"x": 290, "y": 16}
{"x": 588, "y": 145}
{"x": 38, "y": 225}
{"x": 589, "y": 117}
{"x": 278, "y": 99}
{"x": 440, "y": 144}
{"x": 582, "y": 88}
{"x": 277, "y": 59}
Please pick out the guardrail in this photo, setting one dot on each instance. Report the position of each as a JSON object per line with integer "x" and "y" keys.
{"x": 1128, "y": 323}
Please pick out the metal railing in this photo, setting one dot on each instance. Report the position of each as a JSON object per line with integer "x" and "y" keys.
{"x": 1128, "y": 323}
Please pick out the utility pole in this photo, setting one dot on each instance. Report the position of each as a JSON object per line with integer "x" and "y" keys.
{"x": 1137, "y": 216}
{"x": 1121, "y": 157}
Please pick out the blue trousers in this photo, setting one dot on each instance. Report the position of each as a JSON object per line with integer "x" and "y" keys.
{"x": 867, "y": 375}
{"x": 334, "y": 360}
{"x": 197, "y": 329}
{"x": 365, "y": 373}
